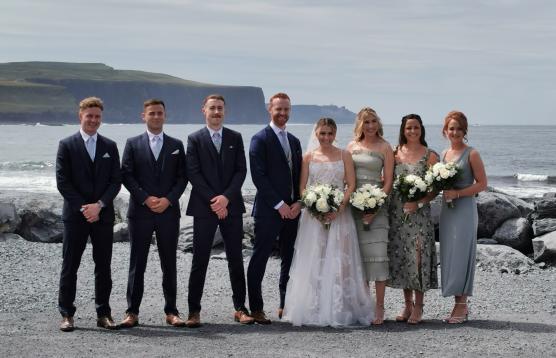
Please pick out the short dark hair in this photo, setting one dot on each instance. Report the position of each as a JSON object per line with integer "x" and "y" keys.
{"x": 153, "y": 102}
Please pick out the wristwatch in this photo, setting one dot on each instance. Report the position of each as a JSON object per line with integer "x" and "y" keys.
{"x": 420, "y": 204}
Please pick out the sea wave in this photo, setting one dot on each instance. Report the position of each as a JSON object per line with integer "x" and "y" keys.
{"x": 534, "y": 177}
{"x": 26, "y": 165}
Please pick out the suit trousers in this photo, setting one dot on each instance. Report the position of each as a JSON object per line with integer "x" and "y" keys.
{"x": 141, "y": 230}
{"x": 204, "y": 229}
{"x": 75, "y": 238}
{"x": 267, "y": 230}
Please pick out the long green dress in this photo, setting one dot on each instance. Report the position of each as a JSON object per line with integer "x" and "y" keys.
{"x": 411, "y": 248}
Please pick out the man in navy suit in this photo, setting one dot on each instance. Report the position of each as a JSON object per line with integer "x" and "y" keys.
{"x": 216, "y": 169}
{"x": 153, "y": 170}
{"x": 88, "y": 177}
{"x": 275, "y": 162}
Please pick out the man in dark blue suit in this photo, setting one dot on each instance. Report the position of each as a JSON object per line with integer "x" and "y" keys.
{"x": 275, "y": 162}
{"x": 153, "y": 170}
{"x": 88, "y": 177}
{"x": 216, "y": 169}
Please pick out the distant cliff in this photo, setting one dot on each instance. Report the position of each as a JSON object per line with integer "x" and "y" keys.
{"x": 48, "y": 92}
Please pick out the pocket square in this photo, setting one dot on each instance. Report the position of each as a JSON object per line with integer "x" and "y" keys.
{"x": 231, "y": 147}
{"x": 175, "y": 152}
{"x": 106, "y": 155}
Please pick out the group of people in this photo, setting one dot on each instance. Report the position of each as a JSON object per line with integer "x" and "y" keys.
{"x": 325, "y": 274}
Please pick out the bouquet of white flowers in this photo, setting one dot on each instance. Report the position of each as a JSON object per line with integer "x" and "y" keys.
{"x": 443, "y": 176}
{"x": 368, "y": 199}
{"x": 320, "y": 199}
{"x": 411, "y": 187}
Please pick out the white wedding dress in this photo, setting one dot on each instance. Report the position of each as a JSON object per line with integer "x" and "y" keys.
{"x": 326, "y": 285}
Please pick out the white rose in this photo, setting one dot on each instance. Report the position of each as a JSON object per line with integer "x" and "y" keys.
{"x": 371, "y": 203}
{"x": 310, "y": 198}
{"x": 445, "y": 174}
{"x": 322, "y": 205}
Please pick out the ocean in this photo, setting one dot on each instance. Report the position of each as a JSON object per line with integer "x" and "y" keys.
{"x": 519, "y": 160}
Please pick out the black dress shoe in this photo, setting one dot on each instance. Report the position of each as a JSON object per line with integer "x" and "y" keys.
{"x": 67, "y": 324}
{"x": 106, "y": 322}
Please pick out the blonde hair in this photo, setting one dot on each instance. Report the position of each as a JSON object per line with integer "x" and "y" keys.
{"x": 91, "y": 102}
{"x": 363, "y": 114}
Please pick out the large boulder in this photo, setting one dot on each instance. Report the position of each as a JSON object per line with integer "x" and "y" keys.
{"x": 545, "y": 208}
{"x": 544, "y": 248}
{"x": 516, "y": 233}
{"x": 40, "y": 216}
{"x": 543, "y": 226}
{"x": 494, "y": 209}
{"x": 502, "y": 258}
{"x": 9, "y": 220}
{"x": 121, "y": 232}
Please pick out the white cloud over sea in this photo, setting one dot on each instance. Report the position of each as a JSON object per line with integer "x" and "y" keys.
{"x": 495, "y": 60}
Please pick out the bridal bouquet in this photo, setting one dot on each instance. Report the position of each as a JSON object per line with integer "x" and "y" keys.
{"x": 320, "y": 199}
{"x": 411, "y": 187}
{"x": 368, "y": 199}
{"x": 443, "y": 176}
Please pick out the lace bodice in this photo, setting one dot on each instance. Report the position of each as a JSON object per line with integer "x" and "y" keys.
{"x": 326, "y": 173}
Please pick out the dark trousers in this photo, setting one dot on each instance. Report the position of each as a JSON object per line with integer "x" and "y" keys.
{"x": 267, "y": 229}
{"x": 141, "y": 230}
{"x": 74, "y": 242}
{"x": 204, "y": 229}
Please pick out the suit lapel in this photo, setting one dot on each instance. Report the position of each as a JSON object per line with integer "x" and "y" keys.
{"x": 276, "y": 144}
{"x": 86, "y": 159}
{"x": 99, "y": 153}
{"x": 210, "y": 145}
{"x": 147, "y": 149}
{"x": 226, "y": 143}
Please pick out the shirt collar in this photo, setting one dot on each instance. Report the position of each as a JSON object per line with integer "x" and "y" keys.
{"x": 277, "y": 129}
{"x": 212, "y": 131}
{"x": 86, "y": 137}
{"x": 152, "y": 135}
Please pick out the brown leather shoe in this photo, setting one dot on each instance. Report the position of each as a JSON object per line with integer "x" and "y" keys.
{"x": 243, "y": 318}
{"x": 193, "y": 320}
{"x": 67, "y": 324}
{"x": 280, "y": 313}
{"x": 174, "y": 320}
{"x": 106, "y": 322}
{"x": 130, "y": 320}
{"x": 260, "y": 317}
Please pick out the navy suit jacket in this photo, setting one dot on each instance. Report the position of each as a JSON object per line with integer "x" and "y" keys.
{"x": 271, "y": 173}
{"x": 213, "y": 174}
{"x": 143, "y": 176}
{"x": 82, "y": 181}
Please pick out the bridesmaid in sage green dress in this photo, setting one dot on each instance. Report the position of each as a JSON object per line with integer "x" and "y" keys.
{"x": 374, "y": 163}
{"x": 411, "y": 246}
{"x": 458, "y": 225}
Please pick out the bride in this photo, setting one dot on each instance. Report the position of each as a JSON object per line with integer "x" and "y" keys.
{"x": 326, "y": 285}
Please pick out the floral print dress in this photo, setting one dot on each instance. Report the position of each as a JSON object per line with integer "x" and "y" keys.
{"x": 411, "y": 246}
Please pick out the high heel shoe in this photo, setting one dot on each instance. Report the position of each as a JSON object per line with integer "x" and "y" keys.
{"x": 404, "y": 315}
{"x": 459, "y": 319}
{"x": 416, "y": 320}
{"x": 379, "y": 315}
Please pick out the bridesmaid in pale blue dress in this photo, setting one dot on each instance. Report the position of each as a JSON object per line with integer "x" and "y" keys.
{"x": 374, "y": 164}
{"x": 458, "y": 225}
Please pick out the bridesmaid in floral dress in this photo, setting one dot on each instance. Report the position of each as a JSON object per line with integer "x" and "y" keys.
{"x": 458, "y": 225}
{"x": 411, "y": 246}
{"x": 374, "y": 164}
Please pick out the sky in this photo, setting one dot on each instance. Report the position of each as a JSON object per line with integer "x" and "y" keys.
{"x": 493, "y": 60}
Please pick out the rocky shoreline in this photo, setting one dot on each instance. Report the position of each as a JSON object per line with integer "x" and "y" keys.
{"x": 504, "y": 220}
{"x": 512, "y": 311}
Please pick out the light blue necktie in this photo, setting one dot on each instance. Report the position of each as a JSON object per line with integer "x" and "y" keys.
{"x": 217, "y": 140}
{"x": 156, "y": 147}
{"x": 91, "y": 147}
{"x": 285, "y": 147}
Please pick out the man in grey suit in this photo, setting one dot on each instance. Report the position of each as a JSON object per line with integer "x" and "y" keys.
{"x": 153, "y": 170}
{"x": 216, "y": 169}
{"x": 88, "y": 177}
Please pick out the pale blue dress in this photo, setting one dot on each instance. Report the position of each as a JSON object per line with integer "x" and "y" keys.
{"x": 458, "y": 236}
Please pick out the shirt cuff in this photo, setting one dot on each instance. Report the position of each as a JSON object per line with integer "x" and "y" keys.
{"x": 279, "y": 205}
